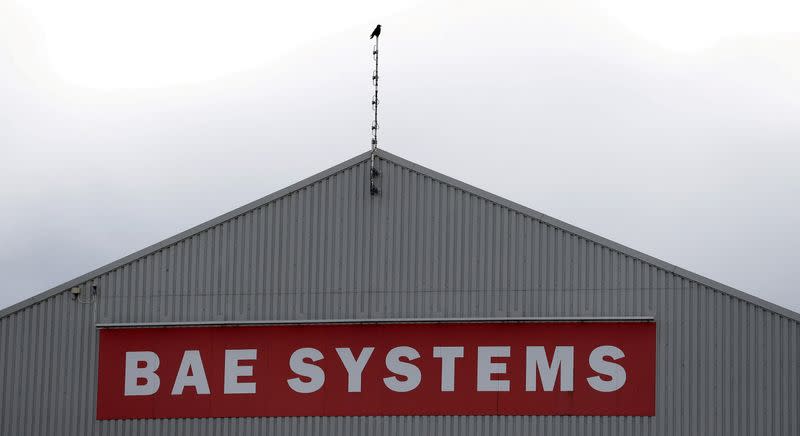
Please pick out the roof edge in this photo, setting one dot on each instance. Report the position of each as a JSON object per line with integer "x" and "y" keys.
{"x": 184, "y": 234}
{"x": 780, "y": 310}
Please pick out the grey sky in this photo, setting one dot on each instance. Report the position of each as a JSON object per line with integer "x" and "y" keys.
{"x": 672, "y": 131}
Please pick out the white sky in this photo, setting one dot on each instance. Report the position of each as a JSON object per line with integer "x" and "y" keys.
{"x": 671, "y": 127}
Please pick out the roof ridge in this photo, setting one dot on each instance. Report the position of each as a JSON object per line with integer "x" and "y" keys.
{"x": 383, "y": 154}
{"x": 185, "y": 234}
{"x": 555, "y": 222}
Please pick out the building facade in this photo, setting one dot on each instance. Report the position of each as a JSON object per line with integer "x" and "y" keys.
{"x": 428, "y": 247}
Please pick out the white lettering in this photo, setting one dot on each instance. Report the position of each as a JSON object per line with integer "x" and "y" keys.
{"x": 191, "y": 362}
{"x": 448, "y": 356}
{"x": 486, "y": 368}
{"x": 133, "y": 373}
{"x": 536, "y": 362}
{"x": 600, "y": 365}
{"x": 354, "y": 366}
{"x": 300, "y": 367}
{"x": 404, "y": 369}
{"x": 233, "y": 371}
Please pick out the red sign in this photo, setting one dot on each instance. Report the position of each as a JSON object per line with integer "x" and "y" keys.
{"x": 499, "y": 368}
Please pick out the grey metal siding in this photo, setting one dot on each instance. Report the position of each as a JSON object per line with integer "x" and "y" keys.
{"x": 423, "y": 249}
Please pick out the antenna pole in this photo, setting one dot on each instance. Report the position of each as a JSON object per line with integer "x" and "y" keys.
{"x": 373, "y": 173}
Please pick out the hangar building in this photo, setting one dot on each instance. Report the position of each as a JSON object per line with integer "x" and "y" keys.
{"x": 431, "y": 308}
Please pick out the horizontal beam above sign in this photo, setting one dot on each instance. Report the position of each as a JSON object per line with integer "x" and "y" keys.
{"x": 377, "y": 321}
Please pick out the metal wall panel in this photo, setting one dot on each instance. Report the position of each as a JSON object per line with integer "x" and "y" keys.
{"x": 422, "y": 249}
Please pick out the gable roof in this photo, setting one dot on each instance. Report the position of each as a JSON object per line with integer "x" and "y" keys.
{"x": 434, "y": 175}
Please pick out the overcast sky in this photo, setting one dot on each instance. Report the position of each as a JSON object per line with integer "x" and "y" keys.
{"x": 671, "y": 128}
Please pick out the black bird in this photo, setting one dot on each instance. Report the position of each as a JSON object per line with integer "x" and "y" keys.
{"x": 376, "y": 33}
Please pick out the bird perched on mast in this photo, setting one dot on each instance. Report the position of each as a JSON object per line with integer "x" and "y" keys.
{"x": 373, "y": 172}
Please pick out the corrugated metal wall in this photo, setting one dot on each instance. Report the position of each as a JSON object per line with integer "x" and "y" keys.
{"x": 422, "y": 249}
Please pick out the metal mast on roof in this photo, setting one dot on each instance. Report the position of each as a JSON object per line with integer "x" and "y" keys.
{"x": 373, "y": 172}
